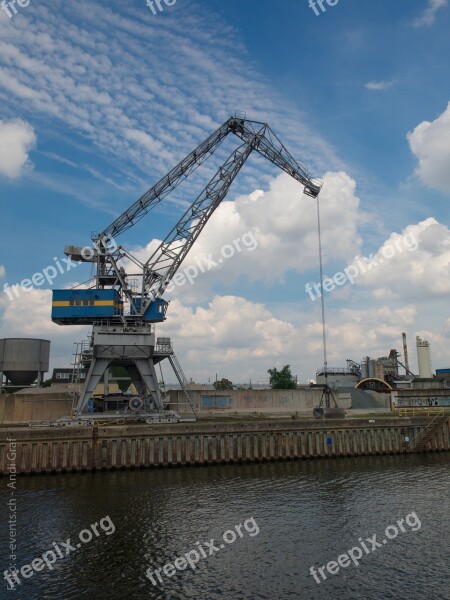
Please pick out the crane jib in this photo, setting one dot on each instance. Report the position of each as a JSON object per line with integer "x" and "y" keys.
{"x": 113, "y": 296}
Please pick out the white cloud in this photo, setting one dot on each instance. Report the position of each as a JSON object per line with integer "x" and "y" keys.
{"x": 240, "y": 339}
{"x": 355, "y": 333}
{"x": 430, "y": 143}
{"x": 36, "y": 305}
{"x": 84, "y": 80}
{"x": 379, "y": 85}
{"x": 17, "y": 138}
{"x": 283, "y": 223}
{"x": 142, "y": 117}
{"x": 428, "y": 16}
{"x": 2, "y": 271}
{"x": 232, "y": 326}
{"x": 243, "y": 339}
{"x": 413, "y": 264}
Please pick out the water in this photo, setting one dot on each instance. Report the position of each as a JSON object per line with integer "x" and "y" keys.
{"x": 308, "y": 513}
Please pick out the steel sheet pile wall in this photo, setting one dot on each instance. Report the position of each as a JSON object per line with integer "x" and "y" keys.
{"x": 46, "y": 450}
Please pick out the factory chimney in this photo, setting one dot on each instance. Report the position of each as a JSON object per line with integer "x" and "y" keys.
{"x": 405, "y": 353}
{"x": 423, "y": 358}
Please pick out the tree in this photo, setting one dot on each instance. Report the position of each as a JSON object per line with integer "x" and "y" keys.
{"x": 282, "y": 380}
{"x": 223, "y": 384}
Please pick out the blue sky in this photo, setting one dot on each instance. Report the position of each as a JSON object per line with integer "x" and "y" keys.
{"x": 99, "y": 100}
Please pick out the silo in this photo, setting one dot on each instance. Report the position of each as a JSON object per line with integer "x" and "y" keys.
{"x": 365, "y": 367}
{"x": 23, "y": 361}
{"x": 423, "y": 358}
{"x": 372, "y": 368}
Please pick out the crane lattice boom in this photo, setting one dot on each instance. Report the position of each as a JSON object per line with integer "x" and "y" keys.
{"x": 106, "y": 300}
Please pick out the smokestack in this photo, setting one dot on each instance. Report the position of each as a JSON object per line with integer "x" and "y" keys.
{"x": 423, "y": 358}
{"x": 405, "y": 353}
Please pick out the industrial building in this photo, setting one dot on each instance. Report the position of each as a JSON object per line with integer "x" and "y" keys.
{"x": 374, "y": 380}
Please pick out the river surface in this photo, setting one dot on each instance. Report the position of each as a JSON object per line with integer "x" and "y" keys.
{"x": 293, "y": 516}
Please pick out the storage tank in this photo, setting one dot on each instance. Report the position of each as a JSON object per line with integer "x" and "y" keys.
{"x": 423, "y": 358}
{"x": 22, "y": 361}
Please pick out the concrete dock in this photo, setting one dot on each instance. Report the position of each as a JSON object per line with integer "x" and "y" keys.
{"x": 33, "y": 450}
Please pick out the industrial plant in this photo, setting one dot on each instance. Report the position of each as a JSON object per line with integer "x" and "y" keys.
{"x": 382, "y": 384}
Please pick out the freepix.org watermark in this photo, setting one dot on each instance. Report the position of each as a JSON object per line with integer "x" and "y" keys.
{"x": 159, "y": 5}
{"x": 9, "y": 7}
{"x": 355, "y": 554}
{"x": 60, "y": 550}
{"x": 189, "y": 274}
{"x": 203, "y": 550}
{"x": 314, "y": 4}
{"x": 60, "y": 266}
{"x": 362, "y": 265}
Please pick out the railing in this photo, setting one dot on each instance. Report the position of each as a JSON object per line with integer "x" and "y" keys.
{"x": 166, "y": 348}
{"x": 335, "y": 371}
{"x": 182, "y": 380}
{"x": 424, "y": 436}
{"x": 421, "y": 411}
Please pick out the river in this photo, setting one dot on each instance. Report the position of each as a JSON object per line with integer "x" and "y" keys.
{"x": 281, "y": 519}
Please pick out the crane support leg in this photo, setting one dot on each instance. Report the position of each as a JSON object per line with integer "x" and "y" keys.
{"x": 144, "y": 371}
{"x": 131, "y": 347}
{"x": 95, "y": 373}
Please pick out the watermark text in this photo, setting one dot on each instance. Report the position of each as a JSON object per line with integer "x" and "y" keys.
{"x": 355, "y": 554}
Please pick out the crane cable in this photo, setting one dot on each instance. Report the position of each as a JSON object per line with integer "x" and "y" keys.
{"x": 322, "y": 298}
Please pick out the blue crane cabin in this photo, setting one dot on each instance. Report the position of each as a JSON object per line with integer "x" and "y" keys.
{"x": 85, "y": 306}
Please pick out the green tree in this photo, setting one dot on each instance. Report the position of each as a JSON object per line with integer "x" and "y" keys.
{"x": 282, "y": 380}
{"x": 223, "y": 384}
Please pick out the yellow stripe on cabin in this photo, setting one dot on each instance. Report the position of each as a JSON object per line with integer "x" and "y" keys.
{"x": 96, "y": 303}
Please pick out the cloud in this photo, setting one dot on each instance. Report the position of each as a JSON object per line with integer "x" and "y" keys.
{"x": 430, "y": 143}
{"x": 428, "y": 16}
{"x": 379, "y": 85}
{"x": 239, "y": 336}
{"x": 355, "y": 333}
{"x": 17, "y": 138}
{"x": 413, "y": 264}
{"x": 2, "y": 271}
{"x": 85, "y": 81}
{"x": 241, "y": 339}
{"x": 276, "y": 231}
{"x": 143, "y": 118}
{"x": 36, "y": 304}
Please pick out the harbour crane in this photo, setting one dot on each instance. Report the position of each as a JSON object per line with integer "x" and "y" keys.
{"x": 123, "y": 317}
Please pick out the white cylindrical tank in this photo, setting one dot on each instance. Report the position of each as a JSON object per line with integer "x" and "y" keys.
{"x": 365, "y": 367}
{"x": 423, "y": 358}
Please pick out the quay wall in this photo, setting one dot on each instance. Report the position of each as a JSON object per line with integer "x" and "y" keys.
{"x": 52, "y": 404}
{"x": 33, "y": 450}
{"x": 27, "y": 408}
{"x": 261, "y": 402}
